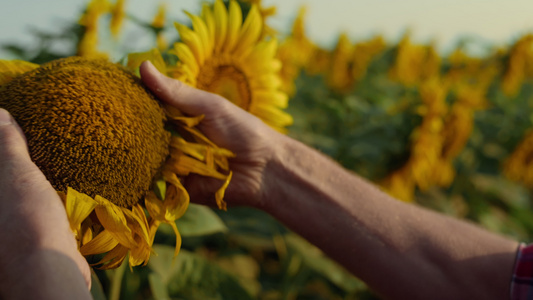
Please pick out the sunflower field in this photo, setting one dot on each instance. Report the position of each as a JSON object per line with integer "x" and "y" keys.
{"x": 449, "y": 131}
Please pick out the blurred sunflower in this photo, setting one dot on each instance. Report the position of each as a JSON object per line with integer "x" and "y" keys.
{"x": 295, "y": 53}
{"x": 463, "y": 68}
{"x": 519, "y": 165}
{"x": 414, "y": 63}
{"x": 364, "y": 53}
{"x": 266, "y": 12}
{"x": 340, "y": 75}
{"x": 118, "y": 14}
{"x": 520, "y": 58}
{"x": 458, "y": 126}
{"x": 319, "y": 62}
{"x": 101, "y": 139}
{"x": 88, "y": 43}
{"x": 226, "y": 56}
{"x": 427, "y": 141}
{"x": 158, "y": 23}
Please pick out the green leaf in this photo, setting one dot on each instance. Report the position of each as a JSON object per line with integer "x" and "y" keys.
{"x": 313, "y": 258}
{"x": 191, "y": 276}
{"x": 158, "y": 288}
{"x": 200, "y": 220}
{"x": 97, "y": 291}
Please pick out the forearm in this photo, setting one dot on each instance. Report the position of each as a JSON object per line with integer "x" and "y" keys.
{"x": 399, "y": 249}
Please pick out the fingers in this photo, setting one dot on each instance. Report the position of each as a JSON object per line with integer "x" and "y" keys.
{"x": 21, "y": 185}
{"x": 189, "y": 100}
{"x": 12, "y": 141}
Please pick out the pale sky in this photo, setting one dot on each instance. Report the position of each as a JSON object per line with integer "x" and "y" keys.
{"x": 442, "y": 21}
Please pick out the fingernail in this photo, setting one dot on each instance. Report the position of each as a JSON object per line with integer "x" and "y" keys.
{"x": 5, "y": 117}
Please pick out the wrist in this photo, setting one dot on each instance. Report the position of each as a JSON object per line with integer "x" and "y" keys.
{"x": 272, "y": 171}
{"x": 283, "y": 174}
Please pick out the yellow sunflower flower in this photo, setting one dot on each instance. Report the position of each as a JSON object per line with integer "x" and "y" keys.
{"x": 478, "y": 71}
{"x": 458, "y": 126}
{"x": 226, "y": 56}
{"x": 414, "y": 63}
{"x": 426, "y": 145}
{"x": 319, "y": 62}
{"x": 295, "y": 53}
{"x": 339, "y": 76}
{"x": 520, "y": 57}
{"x": 118, "y": 14}
{"x": 349, "y": 62}
{"x": 519, "y": 165}
{"x": 101, "y": 139}
{"x": 427, "y": 138}
{"x": 364, "y": 53}
{"x": 159, "y": 23}
{"x": 88, "y": 44}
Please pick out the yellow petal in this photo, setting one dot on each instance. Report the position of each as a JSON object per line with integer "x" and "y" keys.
{"x": 181, "y": 146}
{"x": 220, "y": 154}
{"x": 209, "y": 20}
{"x": 154, "y": 206}
{"x": 102, "y": 243}
{"x": 250, "y": 31}
{"x": 78, "y": 206}
{"x": 222, "y": 162}
{"x": 117, "y": 17}
{"x": 141, "y": 252}
{"x": 178, "y": 239}
{"x": 264, "y": 50}
{"x": 113, "y": 258}
{"x": 201, "y": 29}
{"x": 278, "y": 99}
{"x": 219, "y": 195}
{"x": 200, "y": 137}
{"x": 10, "y": 69}
{"x": 159, "y": 19}
{"x": 184, "y": 165}
{"x": 185, "y": 54}
{"x": 196, "y": 150}
{"x": 113, "y": 219}
{"x": 188, "y": 121}
{"x": 154, "y": 225}
{"x": 221, "y": 24}
{"x": 209, "y": 157}
{"x": 269, "y": 81}
{"x": 271, "y": 115}
{"x": 234, "y": 26}
{"x": 176, "y": 207}
{"x": 139, "y": 255}
{"x": 138, "y": 223}
{"x": 86, "y": 233}
{"x": 154, "y": 56}
{"x": 192, "y": 39}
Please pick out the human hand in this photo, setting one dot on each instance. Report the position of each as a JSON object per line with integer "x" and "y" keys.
{"x": 229, "y": 127}
{"x": 37, "y": 242}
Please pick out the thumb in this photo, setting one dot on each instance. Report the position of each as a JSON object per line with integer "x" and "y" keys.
{"x": 13, "y": 147}
{"x": 191, "y": 101}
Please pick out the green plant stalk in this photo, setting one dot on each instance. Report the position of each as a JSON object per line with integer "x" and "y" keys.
{"x": 116, "y": 281}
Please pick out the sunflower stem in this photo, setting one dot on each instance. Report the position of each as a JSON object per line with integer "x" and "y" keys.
{"x": 116, "y": 282}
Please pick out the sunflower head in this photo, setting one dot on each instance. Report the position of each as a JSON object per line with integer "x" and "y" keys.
{"x": 226, "y": 55}
{"x": 90, "y": 125}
